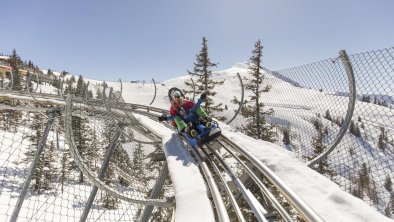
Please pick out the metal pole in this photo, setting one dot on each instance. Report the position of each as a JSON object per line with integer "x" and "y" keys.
{"x": 108, "y": 104}
{"x": 104, "y": 167}
{"x": 241, "y": 103}
{"x": 155, "y": 193}
{"x": 352, "y": 101}
{"x": 26, "y": 184}
{"x": 154, "y": 97}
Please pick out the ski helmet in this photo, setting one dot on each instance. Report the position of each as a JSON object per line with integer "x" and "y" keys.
{"x": 176, "y": 94}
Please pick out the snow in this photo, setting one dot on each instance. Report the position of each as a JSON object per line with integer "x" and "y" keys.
{"x": 4, "y": 57}
{"x": 192, "y": 203}
{"x": 323, "y": 195}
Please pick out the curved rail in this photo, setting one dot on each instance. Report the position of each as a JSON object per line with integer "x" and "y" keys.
{"x": 154, "y": 97}
{"x": 241, "y": 103}
{"x": 100, "y": 184}
{"x": 298, "y": 203}
{"x": 352, "y": 101}
{"x": 28, "y": 85}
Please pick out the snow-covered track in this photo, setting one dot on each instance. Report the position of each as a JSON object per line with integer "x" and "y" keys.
{"x": 304, "y": 210}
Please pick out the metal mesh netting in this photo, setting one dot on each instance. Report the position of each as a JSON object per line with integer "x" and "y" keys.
{"x": 311, "y": 105}
{"x": 59, "y": 190}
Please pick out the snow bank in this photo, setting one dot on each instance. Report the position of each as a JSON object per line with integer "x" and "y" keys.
{"x": 192, "y": 203}
{"x": 321, "y": 194}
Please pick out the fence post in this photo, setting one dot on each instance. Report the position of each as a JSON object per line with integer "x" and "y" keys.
{"x": 352, "y": 100}
{"x": 40, "y": 148}
{"x": 104, "y": 167}
{"x": 155, "y": 193}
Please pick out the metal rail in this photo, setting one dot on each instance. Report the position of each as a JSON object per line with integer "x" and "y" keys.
{"x": 97, "y": 182}
{"x": 304, "y": 209}
{"x": 263, "y": 188}
{"x": 217, "y": 199}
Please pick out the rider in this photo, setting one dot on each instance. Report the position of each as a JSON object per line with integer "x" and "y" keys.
{"x": 180, "y": 107}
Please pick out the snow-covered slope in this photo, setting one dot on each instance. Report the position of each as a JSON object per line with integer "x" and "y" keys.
{"x": 295, "y": 108}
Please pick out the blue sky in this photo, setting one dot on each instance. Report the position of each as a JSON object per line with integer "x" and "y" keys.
{"x": 141, "y": 40}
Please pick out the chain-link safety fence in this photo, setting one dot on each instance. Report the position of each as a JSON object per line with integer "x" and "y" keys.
{"x": 310, "y": 106}
{"x": 96, "y": 164}
{"x": 92, "y": 139}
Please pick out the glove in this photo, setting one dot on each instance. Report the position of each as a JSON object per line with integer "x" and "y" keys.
{"x": 162, "y": 118}
{"x": 203, "y": 96}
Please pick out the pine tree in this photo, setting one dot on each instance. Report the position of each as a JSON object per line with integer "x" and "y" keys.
{"x": 317, "y": 124}
{"x": 72, "y": 79}
{"x": 205, "y": 83}
{"x": 317, "y": 142}
{"x": 365, "y": 184}
{"x": 56, "y": 83}
{"x": 65, "y": 166}
{"x": 92, "y": 145}
{"x": 13, "y": 120}
{"x": 108, "y": 201}
{"x": 80, "y": 87}
{"x": 37, "y": 128}
{"x": 49, "y": 166}
{"x": 99, "y": 94}
{"x": 390, "y": 206}
{"x": 388, "y": 184}
{"x": 326, "y": 131}
{"x": 80, "y": 141}
{"x": 50, "y": 72}
{"x": 16, "y": 63}
{"x": 137, "y": 162}
{"x": 328, "y": 116}
{"x": 318, "y": 147}
{"x": 381, "y": 140}
{"x": 68, "y": 89}
{"x": 120, "y": 156}
{"x": 256, "y": 125}
{"x": 354, "y": 129}
{"x": 286, "y": 136}
{"x": 90, "y": 94}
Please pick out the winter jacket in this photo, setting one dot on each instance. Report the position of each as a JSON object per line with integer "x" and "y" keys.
{"x": 187, "y": 105}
